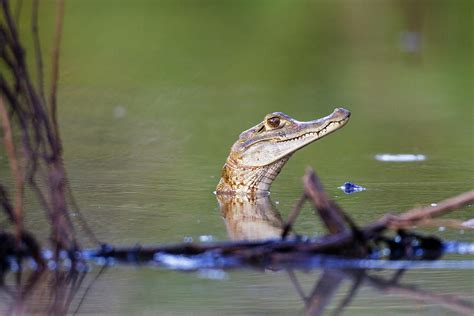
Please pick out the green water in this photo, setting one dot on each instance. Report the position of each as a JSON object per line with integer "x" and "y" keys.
{"x": 154, "y": 93}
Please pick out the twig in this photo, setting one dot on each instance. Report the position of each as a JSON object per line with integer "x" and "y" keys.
{"x": 443, "y": 207}
{"x": 82, "y": 220}
{"x": 37, "y": 45}
{"x": 330, "y": 213}
{"x": 419, "y": 214}
{"x": 14, "y": 168}
{"x": 55, "y": 65}
{"x": 323, "y": 292}
{"x": 42, "y": 144}
{"x": 350, "y": 296}
{"x": 448, "y": 223}
{"x": 87, "y": 289}
{"x": 297, "y": 285}
{"x": 5, "y": 204}
{"x": 450, "y": 302}
{"x": 293, "y": 215}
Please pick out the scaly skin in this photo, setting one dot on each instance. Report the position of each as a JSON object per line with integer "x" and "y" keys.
{"x": 260, "y": 153}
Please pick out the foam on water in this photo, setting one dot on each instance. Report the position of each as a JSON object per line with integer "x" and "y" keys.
{"x": 400, "y": 157}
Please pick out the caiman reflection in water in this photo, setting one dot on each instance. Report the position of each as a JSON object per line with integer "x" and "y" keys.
{"x": 250, "y": 218}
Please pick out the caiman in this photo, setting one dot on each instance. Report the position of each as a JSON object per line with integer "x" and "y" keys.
{"x": 260, "y": 153}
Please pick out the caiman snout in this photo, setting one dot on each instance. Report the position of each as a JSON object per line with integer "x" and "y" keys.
{"x": 342, "y": 112}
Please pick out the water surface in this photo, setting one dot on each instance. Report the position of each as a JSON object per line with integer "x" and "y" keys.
{"x": 153, "y": 94}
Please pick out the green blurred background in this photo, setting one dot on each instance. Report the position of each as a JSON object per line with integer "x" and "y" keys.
{"x": 154, "y": 93}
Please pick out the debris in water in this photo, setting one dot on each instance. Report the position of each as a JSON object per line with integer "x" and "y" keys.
{"x": 350, "y": 187}
{"x": 469, "y": 223}
{"x": 400, "y": 157}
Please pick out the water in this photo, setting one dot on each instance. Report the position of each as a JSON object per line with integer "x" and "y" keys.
{"x": 153, "y": 94}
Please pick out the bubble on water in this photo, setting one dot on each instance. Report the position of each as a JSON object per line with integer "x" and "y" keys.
{"x": 32, "y": 264}
{"x": 52, "y": 265}
{"x": 47, "y": 254}
{"x": 188, "y": 239}
{"x": 13, "y": 264}
{"x": 63, "y": 254}
{"x": 120, "y": 112}
{"x": 205, "y": 238}
{"x": 78, "y": 255}
{"x": 67, "y": 263}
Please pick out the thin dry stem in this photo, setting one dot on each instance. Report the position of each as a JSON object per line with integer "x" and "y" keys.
{"x": 329, "y": 212}
{"x": 448, "y": 223}
{"x": 293, "y": 215}
{"x": 37, "y": 45}
{"x": 14, "y": 168}
{"x": 55, "y": 65}
{"x": 443, "y": 207}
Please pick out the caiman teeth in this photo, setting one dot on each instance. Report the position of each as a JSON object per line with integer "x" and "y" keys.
{"x": 321, "y": 132}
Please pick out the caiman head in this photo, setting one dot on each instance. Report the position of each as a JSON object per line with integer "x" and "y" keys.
{"x": 260, "y": 153}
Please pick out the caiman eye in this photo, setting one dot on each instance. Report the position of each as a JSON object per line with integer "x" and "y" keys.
{"x": 273, "y": 122}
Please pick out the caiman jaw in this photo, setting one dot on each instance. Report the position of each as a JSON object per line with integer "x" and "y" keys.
{"x": 261, "y": 152}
